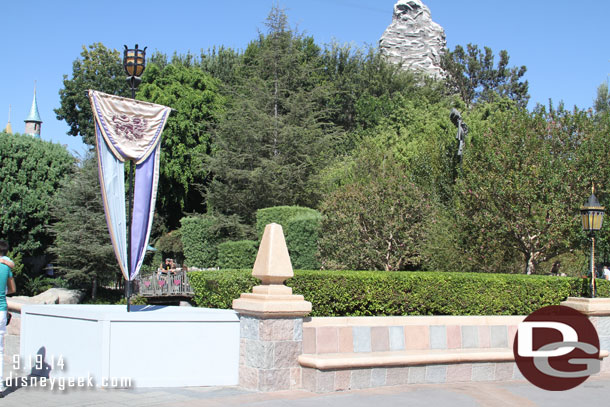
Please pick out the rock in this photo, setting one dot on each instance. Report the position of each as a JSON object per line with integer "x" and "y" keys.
{"x": 413, "y": 39}
{"x": 52, "y": 296}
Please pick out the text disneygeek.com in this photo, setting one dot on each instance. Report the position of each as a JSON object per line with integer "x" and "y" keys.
{"x": 63, "y": 383}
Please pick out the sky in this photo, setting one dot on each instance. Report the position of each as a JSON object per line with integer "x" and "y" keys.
{"x": 562, "y": 43}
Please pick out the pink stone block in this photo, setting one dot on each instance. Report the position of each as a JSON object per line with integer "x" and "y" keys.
{"x": 504, "y": 371}
{"x": 417, "y": 337}
{"x": 346, "y": 340}
{"x": 484, "y": 336}
{"x": 380, "y": 338}
{"x": 512, "y": 332}
{"x": 276, "y": 330}
{"x": 248, "y": 377}
{"x": 309, "y": 340}
{"x": 327, "y": 340}
{"x": 242, "y": 351}
{"x": 286, "y": 353}
{"x": 454, "y": 337}
{"x": 295, "y": 378}
{"x": 461, "y": 372}
{"x": 397, "y": 376}
{"x": 342, "y": 379}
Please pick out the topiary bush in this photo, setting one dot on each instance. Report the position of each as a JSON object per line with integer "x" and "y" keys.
{"x": 237, "y": 255}
{"x": 359, "y": 293}
{"x": 301, "y": 228}
{"x": 280, "y": 215}
{"x": 199, "y": 240}
{"x": 302, "y": 234}
{"x": 202, "y": 234}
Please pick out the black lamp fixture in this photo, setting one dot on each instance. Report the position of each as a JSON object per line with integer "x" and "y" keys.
{"x": 592, "y": 215}
{"x": 134, "y": 62}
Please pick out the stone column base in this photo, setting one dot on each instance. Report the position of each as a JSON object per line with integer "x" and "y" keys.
{"x": 269, "y": 351}
{"x": 598, "y": 311}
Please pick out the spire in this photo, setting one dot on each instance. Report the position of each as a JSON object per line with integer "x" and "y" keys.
{"x": 33, "y": 122}
{"x": 34, "y": 116}
{"x": 9, "y": 129}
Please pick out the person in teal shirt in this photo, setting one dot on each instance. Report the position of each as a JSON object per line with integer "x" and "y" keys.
{"x": 7, "y": 286}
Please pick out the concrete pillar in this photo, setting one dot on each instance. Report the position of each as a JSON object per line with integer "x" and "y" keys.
{"x": 598, "y": 311}
{"x": 271, "y": 320}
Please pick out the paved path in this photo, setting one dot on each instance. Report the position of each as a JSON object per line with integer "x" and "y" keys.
{"x": 595, "y": 392}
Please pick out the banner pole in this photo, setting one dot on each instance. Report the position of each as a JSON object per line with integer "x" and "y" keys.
{"x": 129, "y": 217}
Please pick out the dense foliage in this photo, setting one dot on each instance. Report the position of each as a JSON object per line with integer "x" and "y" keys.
{"x": 98, "y": 68}
{"x": 85, "y": 257}
{"x": 186, "y": 140}
{"x": 375, "y": 222}
{"x": 301, "y": 228}
{"x": 202, "y": 234}
{"x": 334, "y": 128}
{"x": 360, "y": 293}
{"x": 238, "y": 254}
{"x": 31, "y": 171}
{"x": 472, "y": 75}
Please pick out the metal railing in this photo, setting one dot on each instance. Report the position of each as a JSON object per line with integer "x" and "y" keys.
{"x": 165, "y": 284}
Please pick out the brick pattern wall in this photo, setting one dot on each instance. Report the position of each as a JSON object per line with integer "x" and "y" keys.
{"x": 269, "y": 349}
{"x": 347, "y": 339}
{"x": 337, "y": 380}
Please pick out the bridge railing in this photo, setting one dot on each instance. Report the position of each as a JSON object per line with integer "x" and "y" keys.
{"x": 165, "y": 284}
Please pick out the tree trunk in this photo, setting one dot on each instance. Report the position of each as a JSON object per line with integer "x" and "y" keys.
{"x": 530, "y": 266}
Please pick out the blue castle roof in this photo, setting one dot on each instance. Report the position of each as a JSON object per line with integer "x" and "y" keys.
{"x": 34, "y": 116}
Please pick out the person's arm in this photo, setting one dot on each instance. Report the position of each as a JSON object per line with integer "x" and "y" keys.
{"x": 7, "y": 261}
{"x": 11, "y": 287}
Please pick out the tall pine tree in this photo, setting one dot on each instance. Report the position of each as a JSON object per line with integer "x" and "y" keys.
{"x": 277, "y": 133}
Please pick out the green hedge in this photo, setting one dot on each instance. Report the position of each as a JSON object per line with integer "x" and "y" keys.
{"x": 280, "y": 215}
{"x": 301, "y": 228}
{"x": 199, "y": 240}
{"x": 354, "y": 293}
{"x": 237, "y": 255}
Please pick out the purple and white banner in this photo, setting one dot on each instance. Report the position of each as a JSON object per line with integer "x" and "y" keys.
{"x": 128, "y": 130}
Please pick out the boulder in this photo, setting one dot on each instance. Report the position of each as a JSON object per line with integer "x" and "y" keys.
{"x": 52, "y": 296}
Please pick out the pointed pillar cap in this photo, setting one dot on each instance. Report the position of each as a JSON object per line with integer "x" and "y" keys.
{"x": 272, "y": 265}
{"x": 272, "y": 299}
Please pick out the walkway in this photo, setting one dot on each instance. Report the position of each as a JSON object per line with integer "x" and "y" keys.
{"x": 517, "y": 393}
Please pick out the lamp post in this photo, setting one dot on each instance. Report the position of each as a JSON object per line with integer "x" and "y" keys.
{"x": 592, "y": 215}
{"x": 134, "y": 62}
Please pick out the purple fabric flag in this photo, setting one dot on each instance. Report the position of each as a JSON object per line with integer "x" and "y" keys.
{"x": 128, "y": 129}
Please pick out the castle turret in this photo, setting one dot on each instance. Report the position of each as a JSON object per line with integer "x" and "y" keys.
{"x": 33, "y": 122}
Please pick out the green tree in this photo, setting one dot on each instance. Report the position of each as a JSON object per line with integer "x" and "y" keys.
{"x": 186, "y": 140}
{"x": 31, "y": 170}
{"x": 524, "y": 176}
{"x": 376, "y": 221}
{"x": 83, "y": 249}
{"x": 277, "y": 132}
{"x": 602, "y": 100}
{"x": 472, "y": 75}
{"x": 98, "y": 68}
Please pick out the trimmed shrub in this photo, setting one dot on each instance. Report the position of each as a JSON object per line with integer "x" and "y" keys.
{"x": 199, "y": 241}
{"x": 358, "y": 293}
{"x": 301, "y": 228}
{"x": 237, "y": 255}
{"x": 202, "y": 234}
{"x": 302, "y": 240}
{"x": 280, "y": 215}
